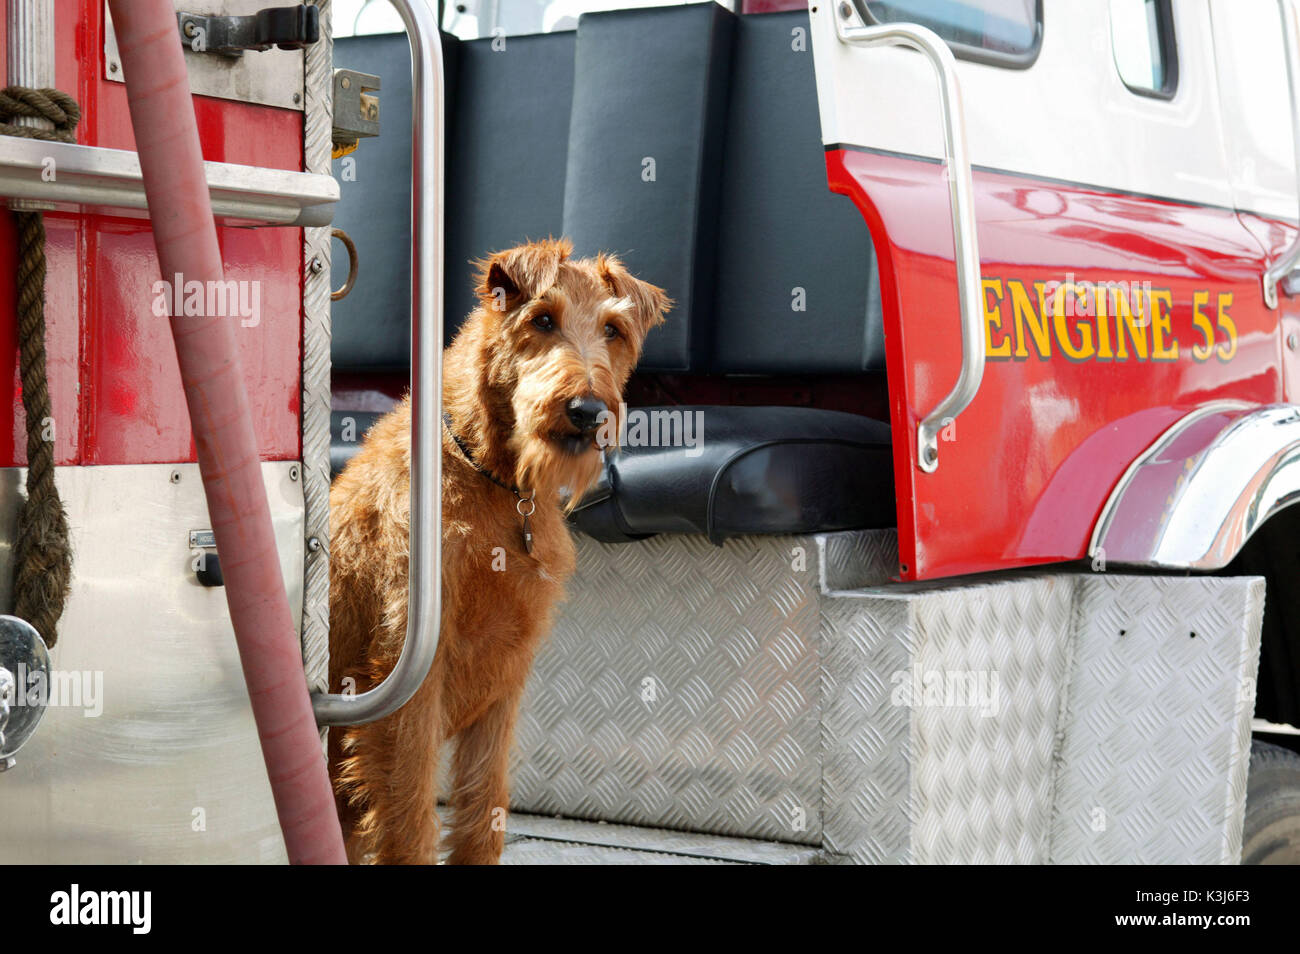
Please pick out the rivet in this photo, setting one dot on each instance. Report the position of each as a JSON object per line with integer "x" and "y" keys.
{"x": 293, "y": 472}
{"x": 846, "y": 11}
{"x": 176, "y": 477}
{"x": 297, "y": 97}
{"x": 1291, "y": 341}
{"x": 346, "y": 82}
{"x": 113, "y": 67}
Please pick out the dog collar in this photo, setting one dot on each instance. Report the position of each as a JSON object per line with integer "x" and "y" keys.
{"x": 521, "y": 500}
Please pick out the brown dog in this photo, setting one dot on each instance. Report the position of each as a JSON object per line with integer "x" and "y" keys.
{"x": 549, "y": 348}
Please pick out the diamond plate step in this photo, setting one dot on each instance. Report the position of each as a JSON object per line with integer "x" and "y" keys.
{"x": 755, "y": 693}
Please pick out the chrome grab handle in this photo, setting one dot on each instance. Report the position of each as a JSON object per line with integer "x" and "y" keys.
{"x": 1280, "y": 271}
{"x": 424, "y": 603}
{"x": 961, "y": 192}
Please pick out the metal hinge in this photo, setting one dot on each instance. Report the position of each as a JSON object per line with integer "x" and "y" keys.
{"x": 289, "y": 28}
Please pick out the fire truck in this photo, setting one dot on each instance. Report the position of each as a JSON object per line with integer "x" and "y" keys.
{"x": 953, "y": 519}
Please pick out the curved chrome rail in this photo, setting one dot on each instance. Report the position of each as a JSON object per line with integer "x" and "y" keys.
{"x": 961, "y": 192}
{"x": 1279, "y": 273}
{"x": 424, "y": 605}
{"x": 1191, "y": 501}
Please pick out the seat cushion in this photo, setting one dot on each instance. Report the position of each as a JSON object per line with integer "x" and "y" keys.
{"x": 728, "y": 471}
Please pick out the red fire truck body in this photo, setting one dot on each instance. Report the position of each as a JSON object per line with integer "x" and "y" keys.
{"x": 821, "y": 639}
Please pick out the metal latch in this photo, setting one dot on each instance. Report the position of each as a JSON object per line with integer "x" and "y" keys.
{"x": 289, "y": 28}
{"x": 356, "y": 109}
{"x": 205, "y": 561}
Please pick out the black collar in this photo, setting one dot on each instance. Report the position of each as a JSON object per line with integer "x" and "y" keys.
{"x": 469, "y": 456}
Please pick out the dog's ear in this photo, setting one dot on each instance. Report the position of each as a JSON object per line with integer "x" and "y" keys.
{"x": 649, "y": 302}
{"x": 516, "y": 275}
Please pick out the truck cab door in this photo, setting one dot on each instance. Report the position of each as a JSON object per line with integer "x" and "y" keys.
{"x": 1120, "y": 288}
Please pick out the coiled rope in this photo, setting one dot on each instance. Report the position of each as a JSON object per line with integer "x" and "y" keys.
{"x": 42, "y": 552}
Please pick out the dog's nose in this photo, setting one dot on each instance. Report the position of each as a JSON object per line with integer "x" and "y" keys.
{"x": 584, "y": 413}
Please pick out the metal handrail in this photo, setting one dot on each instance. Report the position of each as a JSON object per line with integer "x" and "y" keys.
{"x": 100, "y": 178}
{"x": 424, "y": 603}
{"x": 1278, "y": 272}
{"x": 961, "y": 191}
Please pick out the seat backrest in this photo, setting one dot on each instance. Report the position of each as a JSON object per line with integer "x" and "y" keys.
{"x": 372, "y": 325}
{"x": 507, "y": 139}
{"x": 645, "y": 150}
{"x": 506, "y": 153}
{"x": 796, "y": 279}
{"x": 683, "y": 138}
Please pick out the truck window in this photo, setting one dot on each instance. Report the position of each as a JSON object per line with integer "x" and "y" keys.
{"x": 1142, "y": 38}
{"x": 1001, "y": 32}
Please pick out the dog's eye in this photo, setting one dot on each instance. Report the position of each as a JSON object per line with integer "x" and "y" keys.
{"x": 611, "y": 332}
{"x": 544, "y": 323}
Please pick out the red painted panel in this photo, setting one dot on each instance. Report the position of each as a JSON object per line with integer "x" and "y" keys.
{"x": 113, "y": 380}
{"x": 134, "y": 406}
{"x": 1024, "y": 471}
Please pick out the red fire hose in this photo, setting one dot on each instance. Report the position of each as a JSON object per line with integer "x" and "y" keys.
{"x": 167, "y": 138}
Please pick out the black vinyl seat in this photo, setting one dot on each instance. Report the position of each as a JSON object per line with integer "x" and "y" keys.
{"x": 686, "y": 140}
{"x": 751, "y": 470}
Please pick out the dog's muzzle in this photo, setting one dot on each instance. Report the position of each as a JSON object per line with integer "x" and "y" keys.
{"x": 585, "y": 413}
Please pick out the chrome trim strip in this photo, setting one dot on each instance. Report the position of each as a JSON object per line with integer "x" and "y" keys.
{"x": 1207, "y": 507}
{"x": 424, "y": 603}
{"x": 1166, "y": 438}
{"x": 110, "y": 178}
{"x": 961, "y": 192}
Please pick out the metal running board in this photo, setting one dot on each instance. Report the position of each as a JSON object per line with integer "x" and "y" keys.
{"x": 543, "y": 840}
{"x": 779, "y": 689}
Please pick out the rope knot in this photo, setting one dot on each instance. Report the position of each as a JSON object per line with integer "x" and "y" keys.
{"x": 52, "y": 104}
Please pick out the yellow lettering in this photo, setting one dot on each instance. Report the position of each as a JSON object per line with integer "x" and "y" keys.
{"x": 1229, "y": 327}
{"x": 993, "y": 319}
{"x": 1101, "y": 292}
{"x": 1162, "y": 304}
{"x": 1134, "y": 324}
{"x": 1201, "y": 352}
{"x": 1027, "y": 320}
{"x": 1085, "y": 349}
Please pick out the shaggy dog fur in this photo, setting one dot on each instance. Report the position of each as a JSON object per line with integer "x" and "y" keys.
{"x": 548, "y": 332}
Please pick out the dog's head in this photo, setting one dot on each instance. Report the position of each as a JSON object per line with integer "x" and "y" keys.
{"x": 563, "y": 337}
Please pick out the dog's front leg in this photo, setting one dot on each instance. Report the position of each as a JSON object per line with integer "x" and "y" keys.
{"x": 480, "y": 793}
{"x": 390, "y": 775}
